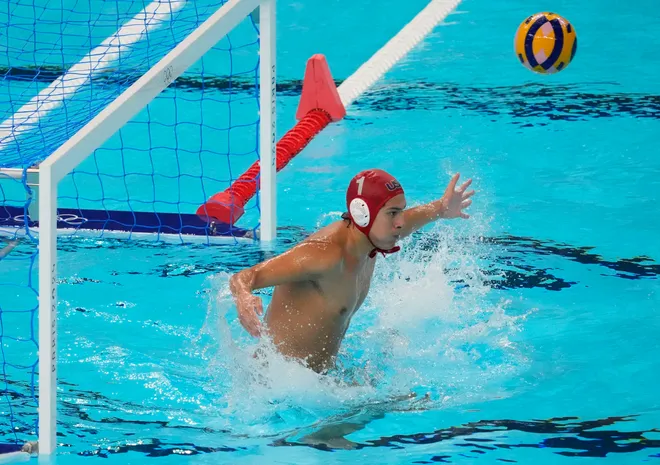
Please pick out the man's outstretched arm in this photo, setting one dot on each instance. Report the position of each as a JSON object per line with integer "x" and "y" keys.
{"x": 304, "y": 262}
{"x": 450, "y": 205}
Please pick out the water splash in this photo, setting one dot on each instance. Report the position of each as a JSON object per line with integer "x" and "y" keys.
{"x": 431, "y": 330}
{"x": 434, "y": 326}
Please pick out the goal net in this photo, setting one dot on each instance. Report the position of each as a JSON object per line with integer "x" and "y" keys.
{"x": 118, "y": 117}
{"x": 138, "y": 118}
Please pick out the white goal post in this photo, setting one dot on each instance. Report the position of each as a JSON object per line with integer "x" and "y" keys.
{"x": 75, "y": 150}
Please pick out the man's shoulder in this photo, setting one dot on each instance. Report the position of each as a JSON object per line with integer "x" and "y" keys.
{"x": 327, "y": 242}
{"x": 332, "y": 234}
{"x": 321, "y": 246}
{"x": 335, "y": 231}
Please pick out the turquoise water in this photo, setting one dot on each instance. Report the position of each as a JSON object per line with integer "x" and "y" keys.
{"x": 532, "y": 327}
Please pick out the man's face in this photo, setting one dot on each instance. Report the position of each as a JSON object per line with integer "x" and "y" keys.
{"x": 388, "y": 223}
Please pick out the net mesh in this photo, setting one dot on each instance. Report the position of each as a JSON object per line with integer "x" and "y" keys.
{"x": 61, "y": 64}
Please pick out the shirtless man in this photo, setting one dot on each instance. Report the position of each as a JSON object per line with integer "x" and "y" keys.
{"x": 321, "y": 282}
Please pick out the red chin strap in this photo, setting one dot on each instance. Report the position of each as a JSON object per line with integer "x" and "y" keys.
{"x": 376, "y": 250}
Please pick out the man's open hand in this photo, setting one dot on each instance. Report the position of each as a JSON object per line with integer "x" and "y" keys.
{"x": 456, "y": 200}
{"x": 248, "y": 307}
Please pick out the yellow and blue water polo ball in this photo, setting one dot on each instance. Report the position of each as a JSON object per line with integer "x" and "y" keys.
{"x": 545, "y": 43}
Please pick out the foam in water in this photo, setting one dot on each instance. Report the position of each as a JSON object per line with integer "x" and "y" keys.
{"x": 430, "y": 326}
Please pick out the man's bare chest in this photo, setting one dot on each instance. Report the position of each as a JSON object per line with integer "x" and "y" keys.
{"x": 348, "y": 290}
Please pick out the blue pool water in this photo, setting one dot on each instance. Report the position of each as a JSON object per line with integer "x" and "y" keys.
{"x": 532, "y": 327}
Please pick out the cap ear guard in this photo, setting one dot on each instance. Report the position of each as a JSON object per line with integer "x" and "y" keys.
{"x": 359, "y": 211}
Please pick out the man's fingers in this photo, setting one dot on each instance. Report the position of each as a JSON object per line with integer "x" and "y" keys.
{"x": 452, "y": 183}
{"x": 254, "y": 328}
{"x": 250, "y": 322}
{"x": 465, "y": 216}
{"x": 244, "y": 321}
{"x": 466, "y": 203}
{"x": 259, "y": 307}
{"x": 254, "y": 319}
{"x": 255, "y": 324}
{"x": 467, "y": 195}
{"x": 465, "y": 185}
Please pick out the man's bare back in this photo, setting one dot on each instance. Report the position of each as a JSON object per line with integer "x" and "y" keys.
{"x": 321, "y": 282}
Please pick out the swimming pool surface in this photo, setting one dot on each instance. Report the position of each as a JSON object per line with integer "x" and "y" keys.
{"x": 528, "y": 333}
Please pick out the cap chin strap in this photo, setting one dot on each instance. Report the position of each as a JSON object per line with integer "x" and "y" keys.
{"x": 375, "y": 250}
{"x": 373, "y": 253}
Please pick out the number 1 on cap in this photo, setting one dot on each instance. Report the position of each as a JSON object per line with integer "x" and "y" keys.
{"x": 360, "y": 182}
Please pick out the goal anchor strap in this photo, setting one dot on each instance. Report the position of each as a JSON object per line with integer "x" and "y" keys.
{"x": 319, "y": 105}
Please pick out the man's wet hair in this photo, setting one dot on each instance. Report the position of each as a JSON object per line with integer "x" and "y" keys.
{"x": 346, "y": 216}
